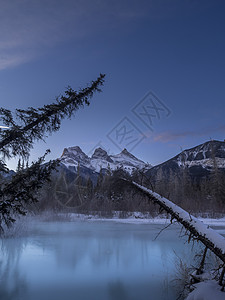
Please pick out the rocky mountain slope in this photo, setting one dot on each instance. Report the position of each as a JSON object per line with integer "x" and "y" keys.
{"x": 200, "y": 160}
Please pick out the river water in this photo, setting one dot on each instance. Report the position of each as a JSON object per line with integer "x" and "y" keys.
{"x": 88, "y": 260}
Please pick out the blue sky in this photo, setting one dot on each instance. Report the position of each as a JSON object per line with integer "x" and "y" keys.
{"x": 171, "y": 50}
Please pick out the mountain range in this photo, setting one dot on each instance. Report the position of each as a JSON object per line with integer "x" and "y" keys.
{"x": 74, "y": 159}
{"x": 199, "y": 160}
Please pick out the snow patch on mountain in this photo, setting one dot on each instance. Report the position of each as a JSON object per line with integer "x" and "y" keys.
{"x": 207, "y": 163}
{"x": 206, "y": 155}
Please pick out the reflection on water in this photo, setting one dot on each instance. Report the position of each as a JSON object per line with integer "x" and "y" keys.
{"x": 12, "y": 281}
{"x": 90, "y": 260}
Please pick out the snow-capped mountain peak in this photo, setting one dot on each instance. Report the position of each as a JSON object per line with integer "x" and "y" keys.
{"x": 128, "y": 160}
{"x": 99, "y": 153}
{"x": 100, "y": 159}
{"x": 126, "y": 154}
{"x": 71, "y": 156}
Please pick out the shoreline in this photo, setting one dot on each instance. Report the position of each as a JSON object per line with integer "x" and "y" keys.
{"x": 134, "y": 218}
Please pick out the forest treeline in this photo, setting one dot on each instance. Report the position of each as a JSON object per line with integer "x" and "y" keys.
{"x": 110, "y": 193}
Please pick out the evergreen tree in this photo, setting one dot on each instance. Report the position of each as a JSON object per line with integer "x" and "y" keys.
{"x": 78, "y": 180}
{"x": 217, "y": 181}
{"x": 23, "y": 165}
{"x": 26, "y": 127}
{"x": 18, "y": 166}
{"x": 99, "y": 181}
{"x": 108, "y": 171}
{"x": 89, "y": 188}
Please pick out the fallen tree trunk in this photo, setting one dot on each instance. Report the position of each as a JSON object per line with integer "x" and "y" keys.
{"x": 198, "y": 230}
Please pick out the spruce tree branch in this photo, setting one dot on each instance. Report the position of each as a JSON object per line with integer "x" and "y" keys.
{"x": 21, "y": 190}
{"x": 36, "y": 123}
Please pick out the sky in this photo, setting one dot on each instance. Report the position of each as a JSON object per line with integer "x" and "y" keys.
{"x": 164, "y": 63}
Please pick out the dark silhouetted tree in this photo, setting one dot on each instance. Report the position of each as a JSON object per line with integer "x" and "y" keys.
{"x": 25, "y": 126}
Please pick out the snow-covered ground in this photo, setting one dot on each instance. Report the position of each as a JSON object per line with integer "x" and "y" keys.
{"x": 207, "y": 290}
{"x": 138, "y": 218}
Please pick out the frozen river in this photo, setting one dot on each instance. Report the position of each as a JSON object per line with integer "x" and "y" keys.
{"x": 88, "y": 260}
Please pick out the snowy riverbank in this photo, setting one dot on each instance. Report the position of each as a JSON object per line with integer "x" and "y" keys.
{"x": 138, "y": 218}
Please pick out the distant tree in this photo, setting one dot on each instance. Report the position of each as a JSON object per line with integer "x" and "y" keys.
{"x": 108, "y": 171}
{"x": 159, "y": 182}
{"x": 99, "y": 181}
{"x": 23, "y": 165}
{"x": 89, "y": 188}
{"x": 18, "y": 166}
{"x": 217, "y": 182}
{"x": 24, "y": 128}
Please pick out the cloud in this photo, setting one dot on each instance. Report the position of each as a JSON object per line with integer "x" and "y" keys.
{"x": 172, "y": 136}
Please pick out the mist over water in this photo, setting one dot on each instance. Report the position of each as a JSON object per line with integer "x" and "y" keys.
{"x": 91, "y": 260}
